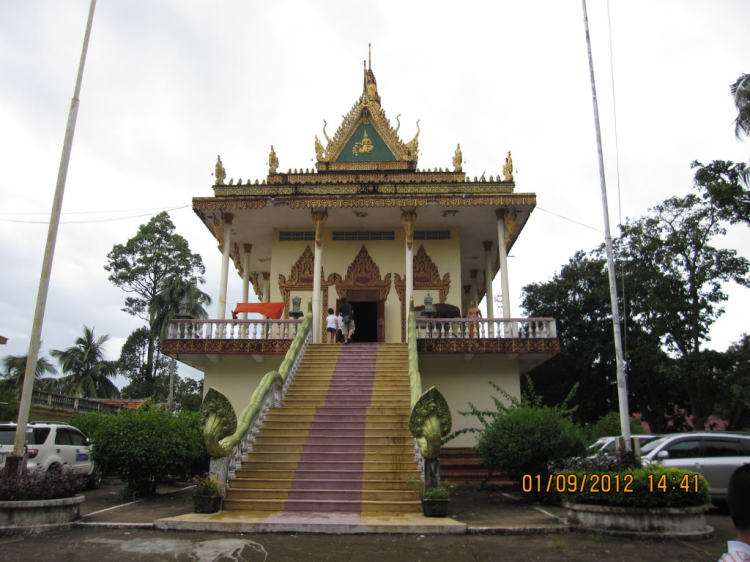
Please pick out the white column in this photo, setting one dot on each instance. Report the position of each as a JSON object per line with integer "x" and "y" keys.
{"x": 266, "y": 286}
{"x": 474, "y": 293}
{"x": 501, "y": 246}
{"x": 247, "y": 248}
{"x": 320, "y": 218}
{"x": 225, "y": 224}
{"x": 408, "y": 219}
{"x": 488, "y": 274}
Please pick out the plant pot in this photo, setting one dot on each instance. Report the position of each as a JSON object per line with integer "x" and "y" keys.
{"x": 206, "y": 504}
{"x": 664, "y": 522}
{"x": 34, "y": 516}
{"x": 435, "y": 508}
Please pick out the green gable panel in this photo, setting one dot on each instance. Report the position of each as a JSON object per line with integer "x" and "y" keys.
{"x": 369, "y": 148}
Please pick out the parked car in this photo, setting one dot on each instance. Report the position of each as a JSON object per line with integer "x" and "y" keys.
{"x": 52, "y": 446}
{"x": 715, "y": 455}
{"x": 606, "y": 445}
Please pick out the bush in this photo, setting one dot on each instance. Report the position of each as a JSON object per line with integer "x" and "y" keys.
{"x": 609, "y": 426}
{"x": 40, "y": 485}
{"x": 653, "y": 486}
{"x": 89, "y": 422}
{"x": 147, "y": 447}
{"x": 527, "y": 439}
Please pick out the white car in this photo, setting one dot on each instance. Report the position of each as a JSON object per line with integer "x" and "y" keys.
{"x": 52, "y": 446}
{"x": 606, "y": 445}
{"x": 715, "y": 455}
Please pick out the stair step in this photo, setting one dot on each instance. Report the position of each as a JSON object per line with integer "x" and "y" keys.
{"x": 389, "y": 456}
{"x": 326, "y": 484}
{"x": 309, "y": 463}
{"x": 325, "y": 506}
{"x": 335, "y": 425}
{"x": 322, "y": 494}
{"x": 393, "y": 475}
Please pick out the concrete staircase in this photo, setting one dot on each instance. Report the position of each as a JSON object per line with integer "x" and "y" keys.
{"x": 340, "y": 442}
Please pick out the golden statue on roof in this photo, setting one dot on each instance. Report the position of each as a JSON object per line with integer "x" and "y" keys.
{"x": 458, "y": 159}
{"x": 508, "y": 168}
{"x": 219, "y": 172}
{"x": 273, "y": 161}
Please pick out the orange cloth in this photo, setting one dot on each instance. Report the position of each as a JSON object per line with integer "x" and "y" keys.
{"x": 270, "y": 309}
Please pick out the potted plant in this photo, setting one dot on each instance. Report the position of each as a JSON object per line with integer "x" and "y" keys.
{"x": 207, "y": 498}
{"x": 435, "y": 501}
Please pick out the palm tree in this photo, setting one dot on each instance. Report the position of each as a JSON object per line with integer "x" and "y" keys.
{"x": 165, "y": 306}
{"x": 741, "y": 94}
{"x": 87, "y": 371}
{"x": 15, "y": 368}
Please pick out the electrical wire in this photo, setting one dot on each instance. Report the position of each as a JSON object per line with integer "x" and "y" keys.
{"x": 92, "y": 221}
{"x": 571, "y": 220}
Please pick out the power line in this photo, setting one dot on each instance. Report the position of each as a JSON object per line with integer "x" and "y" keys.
{"x": 97, "y": 220}
{"x": 567, "y": 219}
{"x": 92, "y": 212}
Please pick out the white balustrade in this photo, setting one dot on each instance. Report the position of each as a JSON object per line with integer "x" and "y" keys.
{"x": 233, "y": 329}
{"x": 491, "y": 328}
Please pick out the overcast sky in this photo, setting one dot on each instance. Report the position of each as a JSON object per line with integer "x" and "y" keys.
{"x": 169, "y": 84}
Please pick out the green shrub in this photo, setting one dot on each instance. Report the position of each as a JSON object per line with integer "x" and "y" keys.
{"x": 89, "y": 422}
{"x": 653, "y": 486}
{"x": 609, "y": 426}
{"x": 147, "y": 447}
{"x": 527, "y": 439}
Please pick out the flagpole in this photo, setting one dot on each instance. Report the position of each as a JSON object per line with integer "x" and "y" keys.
{"x": 622, "y": 383}
{"x": 16, "y": 462}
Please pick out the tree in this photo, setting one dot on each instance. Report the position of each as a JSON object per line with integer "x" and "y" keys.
{"x": 141, "y": 266}
{"x": 725, "y": 186}
{"x": 132, "y": 365}
{"x": 167, "y": 303}
{"x": 741, "y": 94}
{"x": 578, "y": 298}
{"x": 675, "y": 277}
{"x": 15, "y": 368}
{"x": 87, "y": 371}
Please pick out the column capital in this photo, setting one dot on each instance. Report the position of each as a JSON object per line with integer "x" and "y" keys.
{"x": 500, "y": 213}
{"x": 266, "y": 275}
{"x": 247, "y": 248}
{"x": 319, "y": 218}
{"x": 473, "y": 273}
{"x": 487, "y": 245}
{"x": 408, "y": 218}
{"x": 467, "y": 288}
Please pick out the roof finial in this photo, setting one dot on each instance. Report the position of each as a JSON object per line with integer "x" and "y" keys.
{"x": 369, "y": 55}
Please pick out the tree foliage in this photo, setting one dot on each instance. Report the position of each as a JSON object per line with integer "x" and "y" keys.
{"x": 87, "y": 372}
{"x": 741, "y": 94}
{"x": 146, "y": 447}
{"x": 15, "y": 370}
{"x": 673, "y": 278}
{"x": 725, "y": 185}
{"x": 142, "y": 267}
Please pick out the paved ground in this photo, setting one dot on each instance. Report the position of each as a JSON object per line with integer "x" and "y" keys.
{"x": 481, "y": 511}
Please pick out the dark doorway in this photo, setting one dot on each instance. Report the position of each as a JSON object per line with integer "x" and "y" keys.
{"x": 365, "y": 321}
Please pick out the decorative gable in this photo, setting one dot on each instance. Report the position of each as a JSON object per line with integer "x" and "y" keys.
{"x": 366, "y": 136}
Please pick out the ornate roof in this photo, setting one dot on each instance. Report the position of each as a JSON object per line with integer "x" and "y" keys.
{"x": 366, "y": 136}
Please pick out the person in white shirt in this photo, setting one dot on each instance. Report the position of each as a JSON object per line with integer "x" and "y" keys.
{"x": 738, "y": 501}
{"x": 331, "y": 325}
{"x": 339, "y": 329}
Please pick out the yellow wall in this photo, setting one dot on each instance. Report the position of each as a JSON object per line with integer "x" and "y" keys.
{"x": 461, "y": 382}
{"x": 237, "y": 377}
{"x": 389, "y": 256}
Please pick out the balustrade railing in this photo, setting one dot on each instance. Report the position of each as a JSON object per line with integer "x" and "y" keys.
{"x": 233, "y": 329}
{"x": 493, "y": 328}
{"x": 70, "y": 403}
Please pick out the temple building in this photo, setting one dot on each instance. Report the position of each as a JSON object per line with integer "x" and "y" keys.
{"x": 367, "y": 224}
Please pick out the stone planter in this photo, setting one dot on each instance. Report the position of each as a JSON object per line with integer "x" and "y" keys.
{"x": 35, "y": 516}
{"x": 206, "y": 504}
{"x": 435, "y": 508}
{"x": 663, "y": 522}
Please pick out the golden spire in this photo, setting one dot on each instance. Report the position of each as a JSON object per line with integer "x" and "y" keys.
{"x": 370, "y": 89}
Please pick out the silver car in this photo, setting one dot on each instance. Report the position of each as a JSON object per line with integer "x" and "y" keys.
{"x": 714, "y": 455}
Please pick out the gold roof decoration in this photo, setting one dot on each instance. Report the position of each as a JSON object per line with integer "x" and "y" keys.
{"x": 365, "y": 117}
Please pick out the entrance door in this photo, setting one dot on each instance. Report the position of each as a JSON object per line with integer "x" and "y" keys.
{"x": 369, "y": 316}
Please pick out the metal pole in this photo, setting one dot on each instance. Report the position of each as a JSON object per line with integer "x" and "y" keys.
{"x": 15, "y": 461}
{"x": 622, "y": 383}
